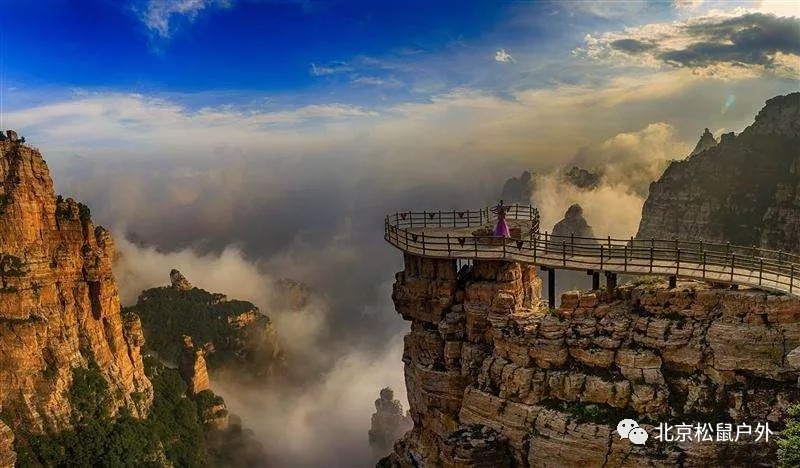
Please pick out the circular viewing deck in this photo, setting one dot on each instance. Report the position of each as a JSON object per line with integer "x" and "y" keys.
{"x": 468, "y": 235}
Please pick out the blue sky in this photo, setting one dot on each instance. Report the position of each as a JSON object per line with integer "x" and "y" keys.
{"x": 360, "y": 51}
{"x": 295, "y": 76}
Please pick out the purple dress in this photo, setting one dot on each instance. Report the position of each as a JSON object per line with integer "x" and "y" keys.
{"x": 501, "y": 230}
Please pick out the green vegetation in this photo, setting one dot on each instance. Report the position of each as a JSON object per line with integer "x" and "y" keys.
{"x": 789, "y": 439}
{"x": 84, "y": 213}
{"x": 167, "y": 314}
{"x": 594, "y": 413}
{"x": 62, "y": 211}
{"x": 172, "y": 429}
{"x": 10, "y": 266}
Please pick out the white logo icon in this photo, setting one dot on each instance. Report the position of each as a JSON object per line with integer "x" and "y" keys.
{"x": 629, "y": 429}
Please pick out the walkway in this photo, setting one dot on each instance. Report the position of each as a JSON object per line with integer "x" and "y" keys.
{"x": 449, "y": 234}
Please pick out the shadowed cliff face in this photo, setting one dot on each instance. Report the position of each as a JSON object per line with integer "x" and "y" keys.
{"x": 745, "y": 190}
{"x": 493, "y": 379}
{"x": 59, "y": 304}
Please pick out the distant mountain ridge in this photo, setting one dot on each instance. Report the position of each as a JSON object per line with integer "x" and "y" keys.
{"x": 744, "y": 190}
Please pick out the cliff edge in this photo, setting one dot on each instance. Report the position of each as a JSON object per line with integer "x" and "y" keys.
{"x": 59, "y": 304}
{"x": 495, "y": 379}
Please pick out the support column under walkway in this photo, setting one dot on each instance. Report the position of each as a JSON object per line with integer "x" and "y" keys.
{"x": 551, "y": 286}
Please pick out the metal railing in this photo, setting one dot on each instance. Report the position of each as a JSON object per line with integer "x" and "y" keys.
{"x": 714, "y": 262}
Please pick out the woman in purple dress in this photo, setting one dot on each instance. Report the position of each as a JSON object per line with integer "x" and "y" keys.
{"x": 501, "y": 230}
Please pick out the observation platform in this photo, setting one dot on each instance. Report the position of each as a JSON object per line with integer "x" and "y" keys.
{"x": 468, "y": 235}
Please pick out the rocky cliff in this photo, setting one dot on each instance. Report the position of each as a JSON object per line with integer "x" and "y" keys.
{"x": 59, "y": 304}
{"x": 495, "y": 379}
{"x": 745, "y": 190}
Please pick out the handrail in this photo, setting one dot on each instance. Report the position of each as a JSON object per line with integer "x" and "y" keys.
{"x": 716, "y": 262}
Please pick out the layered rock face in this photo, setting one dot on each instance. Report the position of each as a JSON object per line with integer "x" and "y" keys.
{"x": 494, "y": 379}
{"x": 192, "y": 367}
{"x": 59, "y": 304}
{"x": 745, "y": 190}
{"x": 388, "y": 423}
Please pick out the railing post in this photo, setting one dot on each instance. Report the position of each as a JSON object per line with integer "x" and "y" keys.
{"x": 411, "y": 218}
{"x": 480, "y": 217}
{"x": 406, "y": 235}
{"x": 564, "y": 252}
{"x": 601, "y": 257}
{"x": 760, "y": 270}
{"x": 503, "y": 240}
{"x": 476, "y": 246}
{"x": 425, "y": 218}
{"x": 423, "y": 243}
{"x": 440, "y": 218}
{"x": 651, "y": 257}
{"x": 704, "y": 264}
{"x": 572, "y": 243}
{"x": 454, "y": 218}
{"x": 535, "y": 238}
{"x": 609, "y": 243}
{"x": 448, "y": 244}
{"x": 625, "y": 257}
{"x": 678, "y": 261}
{"x": 733, "y": 262}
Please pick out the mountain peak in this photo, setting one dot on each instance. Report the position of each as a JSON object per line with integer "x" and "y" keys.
{"x": 706, "y": 141}
{"x": 780, "y": 116}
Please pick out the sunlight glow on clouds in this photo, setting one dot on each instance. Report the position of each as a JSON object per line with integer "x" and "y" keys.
{"x": 747, "y": 45}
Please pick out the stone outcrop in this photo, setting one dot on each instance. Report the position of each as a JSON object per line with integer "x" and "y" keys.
{"x": 59, "y": 304}
{"x": 245, "y": 343}
{"x": 744, "y": 190}
{"x": 482, "y": 352}
{"x": 178, "y": 281}
{"x": 518, "y": 189}
{"x": 706, "y": 141}
{"x": 192, "y": 367}
{"x": 581, "y": 178}
{"x": 573, "y": 224}
{"x": 388, "y": 423}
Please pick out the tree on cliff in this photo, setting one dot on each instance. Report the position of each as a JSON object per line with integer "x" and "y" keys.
{"x": 789, "y": 440}
{"x": 10, "y": 266}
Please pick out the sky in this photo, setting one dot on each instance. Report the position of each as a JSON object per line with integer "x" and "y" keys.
{"x": 247, "y": 140}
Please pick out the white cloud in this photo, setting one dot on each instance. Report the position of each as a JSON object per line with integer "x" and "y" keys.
{"x": 743, "y": 43}
{"x": 503, "y": 56}
{"x": 330, "y": 69}
{"x": 390, "y": 82}
{"x": 159, "y": 15}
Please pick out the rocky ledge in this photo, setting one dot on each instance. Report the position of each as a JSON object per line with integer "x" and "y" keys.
{"x": 553, "y": 384}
